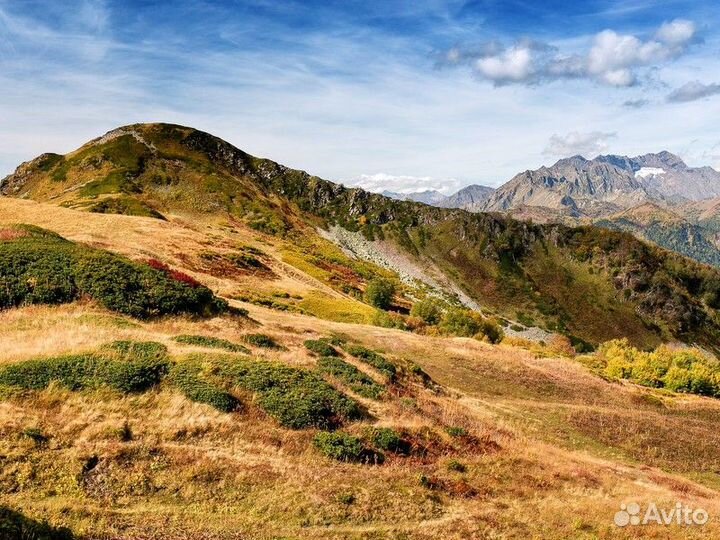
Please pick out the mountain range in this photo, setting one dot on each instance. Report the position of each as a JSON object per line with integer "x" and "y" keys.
{"x": 657, "y": 197}
{"x": 517, "y": 270}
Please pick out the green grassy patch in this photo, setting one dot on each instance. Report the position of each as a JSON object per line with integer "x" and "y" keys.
{"x": 43, "y": 268}
{"x": 124, "y": 366}
{"x": 348, "y": 374}
{"x": 187, "y": 377}
{"x": 211, "y": 342}
{"x": 372, "y": 358}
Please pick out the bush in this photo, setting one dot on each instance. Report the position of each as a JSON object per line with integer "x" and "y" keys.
{"x": 321, "y": 347}
{"x": 261, "y": 340}
{"x": 687, "y": 370}
{"x": 386, "y": 319}
{"x": 380, "y": 292}
{"x": 468, "y": 323}
{"x": 355, "y": 379}
{"x": 212, "y": 343}
{"x": 428, "y": 310}
{"x": 339, "y": 446}
{"x": 43, "y": 268}
{"x": 389, "y": 440}
{"x": 297, "y": 398}
{"x": 372, "y": 358}
{"x": 187, "y": 378}
{"x": 124, "y": 366}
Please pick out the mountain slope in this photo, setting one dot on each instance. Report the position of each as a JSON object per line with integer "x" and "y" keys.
{"x": 468, "y": 198}
{"x": 666, "y": 229}
{"x": 591, "y": 284}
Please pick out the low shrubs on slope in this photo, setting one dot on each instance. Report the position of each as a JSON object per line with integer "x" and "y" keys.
{"x": 348, "y": 374}
{"x": 372, "y": 358}
{"x": 320, "y": 347}
{"x": 297, "y": 398}
{"x": 40, "y": 267}
{"x": 125, "y": 366}
{"x": 211, "y": 342}
{"x": 187, "y": 377}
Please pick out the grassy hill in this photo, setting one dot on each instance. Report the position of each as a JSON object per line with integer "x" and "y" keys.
{"x": 220, "y": 434}
{"x": 590, "y": 284}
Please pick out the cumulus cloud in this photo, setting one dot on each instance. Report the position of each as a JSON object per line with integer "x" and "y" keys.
{"x": 380, "y": 182}
{"x": 692, "y": 91}
{"x": 585, "y": 144}
{"x": 613, "y": 58}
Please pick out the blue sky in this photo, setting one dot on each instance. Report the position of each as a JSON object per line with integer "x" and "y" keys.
{"x": 400, "y": 95}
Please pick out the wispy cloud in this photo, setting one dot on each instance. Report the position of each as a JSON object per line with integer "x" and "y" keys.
{"x": 380, "y": 182}
{"x": 692, "y": 91}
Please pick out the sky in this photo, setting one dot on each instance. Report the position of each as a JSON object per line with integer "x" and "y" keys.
{"x": 397, "y": 95}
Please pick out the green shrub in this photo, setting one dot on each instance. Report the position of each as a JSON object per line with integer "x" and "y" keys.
{"x": 339, "y": 446}
{"x": 380, "y": 292}
{"x": 36, "y": 435}
{"x": 385, "y": 319}
{"x": 43, "y": 268}
{"x": 321, "y": 347}
{"x": 15, "y": 526}
{"x": 389, "y": 440}
{"x": 187, "y": 378}
{"x": 428, "y": 309}
{"x": 468, "y": 323}
{"x": 456, "y": 431}
{"x": 373, "y": 359}
{"x": 297, "y": 398}
{"x": 124, "y": 366}
{"x": 355, "y": 379}
{"x": 457, "y": 466}
{"x": 261, "y": 340}
{"x": 211, "y": 342}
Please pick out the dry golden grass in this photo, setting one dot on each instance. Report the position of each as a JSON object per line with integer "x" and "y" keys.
{"x": 553, "y": 450}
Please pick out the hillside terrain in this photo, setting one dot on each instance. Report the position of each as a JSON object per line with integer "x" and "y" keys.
{"x": 493, "y": 441}
{"x": 198, "y": 343}
{"x": 589, "y": 284}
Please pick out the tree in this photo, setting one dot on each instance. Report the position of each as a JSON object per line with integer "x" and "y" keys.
{"x": 428, "y": 310}
{"x": 380, "y": 293}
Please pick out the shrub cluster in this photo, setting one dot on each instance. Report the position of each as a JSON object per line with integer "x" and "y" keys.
{"x": 125, "y": 366}
{"x": 373, "y": 359}
{"x": 683, "y": 370}
{"x": 345, "y": 447}
{"x": 355, "y": 379}
{"x": 390, "y": 440}
{"x": 261, "y": 340}
{"x": 468, "y": 323}
{"x": 297, "y": 398}
{"x": 188, "y": 379}
{"x": 321, "y": 347}
{"x": 380, "y": 292}
{"x": 43, "y": 268}
{"x": 211, "y": 342}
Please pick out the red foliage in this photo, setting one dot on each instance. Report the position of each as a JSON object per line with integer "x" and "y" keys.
{"x": 12, "y": 234}
{"x": 175, "y": 275}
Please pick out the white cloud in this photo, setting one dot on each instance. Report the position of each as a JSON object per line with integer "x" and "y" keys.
{"x": 587, "y": 145}
{"x": 676, "y": 33}
{"x": 512, "y": 65}
{"x": 693, "y": 91}
{"x": 380, "y": 182}
{"x": 612, "y": 59}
